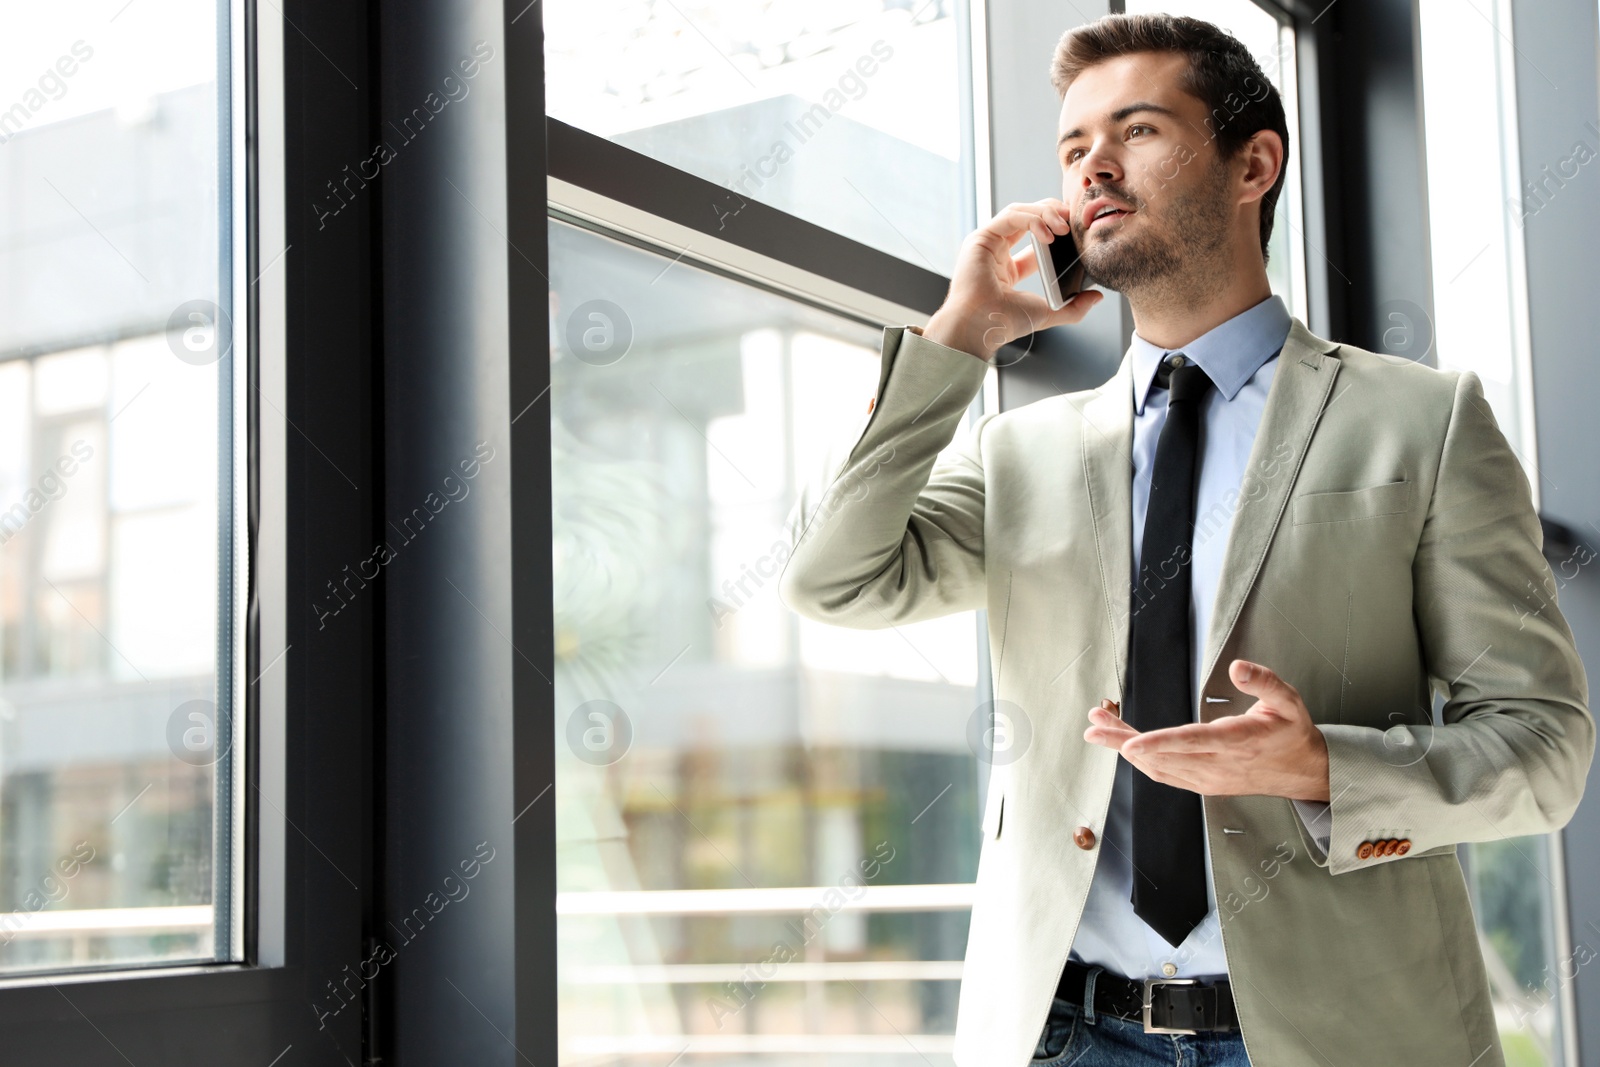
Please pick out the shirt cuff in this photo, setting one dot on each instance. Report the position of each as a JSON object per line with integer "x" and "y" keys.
{"x": 1317, "y": 819}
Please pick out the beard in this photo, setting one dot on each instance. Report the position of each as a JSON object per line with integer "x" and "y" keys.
{"x": 1168, "y": 250}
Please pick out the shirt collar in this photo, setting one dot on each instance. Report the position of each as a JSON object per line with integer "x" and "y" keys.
{"x": 1230, "y": 353}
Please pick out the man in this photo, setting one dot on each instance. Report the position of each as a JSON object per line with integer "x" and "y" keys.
{"x": 1244, "y": 564}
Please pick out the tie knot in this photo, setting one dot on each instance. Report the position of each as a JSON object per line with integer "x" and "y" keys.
{"x": 1183, "y": 376}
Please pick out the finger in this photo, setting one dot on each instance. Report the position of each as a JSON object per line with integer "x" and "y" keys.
{"x": 1025, "y": 264}
{"x": 1025, "y": 312}
{"x": 1012, "y": 223}
{"x": 1041, "y": 316}
{"x": 1195, "y": 767}
{"x": 1217, "y": 736}
{"x": 1111, "y": 735}
{"x": 1076, "y": 307}
{"x": 1109, "y": 717}
{"x": 1054, "y": 212}
{"x": 1107, "y": 738}
{"x": 1165, "y": 774}
{"x": 1058, "y": 215}
{"x": 1203, "y": 773}
{"x": 1073, "y": 311}
{"x": 1264, "y": 683}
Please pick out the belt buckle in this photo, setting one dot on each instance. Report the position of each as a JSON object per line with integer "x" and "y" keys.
{"x": 1148, "y": 984}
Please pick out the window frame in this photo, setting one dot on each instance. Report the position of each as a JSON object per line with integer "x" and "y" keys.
{"x": 601, "y": 184}
{"x": 287, "y": 122}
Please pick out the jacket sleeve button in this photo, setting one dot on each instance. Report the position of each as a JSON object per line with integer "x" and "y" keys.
{"x": 1084, "y": 837}
{"x": 1403, "y": 847}
{"x": 1391, "y": 846}
{"x": 871, "y": 400}
{"x": 1364, "y": 851}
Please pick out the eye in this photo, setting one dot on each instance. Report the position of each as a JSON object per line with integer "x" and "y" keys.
{"x": 1073, "y": 154}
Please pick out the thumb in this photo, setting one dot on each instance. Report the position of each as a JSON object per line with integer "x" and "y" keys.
{"x": 1263, "y": 683}
{"x": 1076, "y": 307}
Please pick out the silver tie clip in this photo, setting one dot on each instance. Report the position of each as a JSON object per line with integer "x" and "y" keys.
{"x": 1231, "y": 830}
{"x": 1218, "y": 700}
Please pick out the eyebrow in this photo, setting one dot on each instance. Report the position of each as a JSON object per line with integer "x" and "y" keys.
{"x": 1120, "y": 114}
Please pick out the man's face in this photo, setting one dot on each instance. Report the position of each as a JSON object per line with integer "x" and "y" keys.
{"x": 1130, "y": 135}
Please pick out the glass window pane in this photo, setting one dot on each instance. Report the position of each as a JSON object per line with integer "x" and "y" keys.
{"x": 115, "y": 494}
{"x": 1466, "y": 90}
{"x": 1512, "y": 891}
{"x": 848, "y": 114}
{"x": 767, "y": 828}
{"x": 1478, "y": 324}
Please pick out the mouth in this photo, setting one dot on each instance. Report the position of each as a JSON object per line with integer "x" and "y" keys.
{"x": 1101, "y": 209}
{"x": 1109, "y": 217}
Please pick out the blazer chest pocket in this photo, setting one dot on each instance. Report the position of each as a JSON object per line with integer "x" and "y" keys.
{"x": 1388, "y": 499}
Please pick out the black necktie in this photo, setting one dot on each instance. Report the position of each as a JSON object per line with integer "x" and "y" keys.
{"x": 1169, "y": 889}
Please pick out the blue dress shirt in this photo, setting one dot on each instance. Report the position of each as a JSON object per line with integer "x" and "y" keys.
{"x": 1240, "y": 357}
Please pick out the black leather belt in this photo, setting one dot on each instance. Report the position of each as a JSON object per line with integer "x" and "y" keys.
{"x": 1162, "y": 1005}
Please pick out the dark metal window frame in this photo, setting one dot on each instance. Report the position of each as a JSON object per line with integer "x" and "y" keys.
{"x": 640, "y": 181}
{"x": 248, "y": 1013}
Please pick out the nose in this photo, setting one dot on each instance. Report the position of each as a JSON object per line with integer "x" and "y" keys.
{"x": 1099, "y": 166}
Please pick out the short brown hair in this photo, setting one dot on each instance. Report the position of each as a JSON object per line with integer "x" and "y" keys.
{"x": 1219, "y": 68}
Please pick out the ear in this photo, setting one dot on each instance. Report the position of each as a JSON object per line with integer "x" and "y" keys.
{"x": 1263, "y": 157}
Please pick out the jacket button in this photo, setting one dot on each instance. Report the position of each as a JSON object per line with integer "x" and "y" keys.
{"x": 1403, "y": 847}
{"x": 1364, "y": 851}
{"x": 1084, "y": 837}
{"x": 1391, "y": 846}
{"x": 871, "y": 400}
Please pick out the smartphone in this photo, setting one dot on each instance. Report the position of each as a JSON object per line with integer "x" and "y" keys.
{"x": 1060, "y": 267}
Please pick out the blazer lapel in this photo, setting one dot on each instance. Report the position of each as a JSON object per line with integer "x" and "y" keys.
{"x": 1107, "y": 449}
{"x": 1301, "y": 386}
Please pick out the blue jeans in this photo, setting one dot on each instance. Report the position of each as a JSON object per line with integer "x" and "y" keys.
{"x": 1077, "y": 1036}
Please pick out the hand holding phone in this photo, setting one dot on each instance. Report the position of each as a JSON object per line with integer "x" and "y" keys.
{"x": 985, "y": 308}
{"x": 1060, "y": 268}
